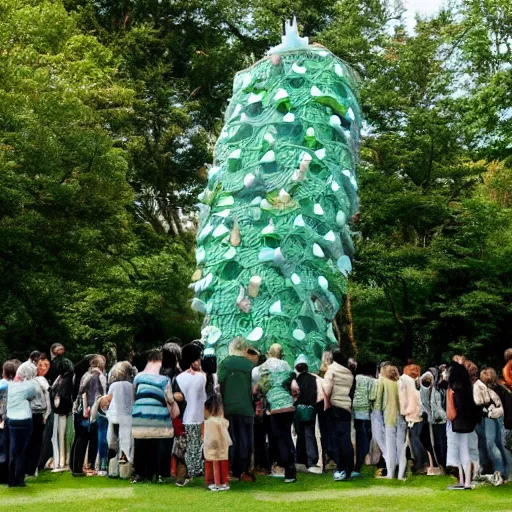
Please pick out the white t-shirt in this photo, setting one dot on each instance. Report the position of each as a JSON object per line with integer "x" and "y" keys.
{"x": 192, "y": 386}
{"x": 122, "y": 401}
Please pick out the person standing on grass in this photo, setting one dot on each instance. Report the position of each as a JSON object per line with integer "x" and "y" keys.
{"x": 20, "y": 392}
{"x": 274, "y": 378}
{"x": 504, "y": 391}
{"x": 8, "y": 374}
{"x": 41, "y": 410}
{"x": 234, "y": 377}
{"x": 388, "y": 403}
{"x": 463, "y": 415}
{"x": 153, "y": 410}
{"x": 364, "y": 399}
{"x": 60, "y": 378}
{"x": 410, "y": 406}
{"x": 339, "y": 388}
{"x": 192, "y": 382}
{"x": 492, "y": 411}
{"x": 92, "y": 385}
{"x": 305, "y": 391}
{"x": 119, "y": 412}
{"x": 216, "y": 445}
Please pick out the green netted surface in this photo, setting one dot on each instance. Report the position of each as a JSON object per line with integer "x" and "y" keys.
{"x": 283, "y": 179}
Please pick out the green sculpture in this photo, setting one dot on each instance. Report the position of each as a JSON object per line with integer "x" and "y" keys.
{"x": 273, "y": 245}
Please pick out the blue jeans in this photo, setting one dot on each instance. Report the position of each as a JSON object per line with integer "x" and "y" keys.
{"x": 363, "y": 435}
{"x": 419, "y": 454}
{"x": 340, "y": 443}
{"x": 102, "y": 422}
{"x": 495, "y": 444}
{"x": 20, "y": 432}
{"x": 306, "y": 449}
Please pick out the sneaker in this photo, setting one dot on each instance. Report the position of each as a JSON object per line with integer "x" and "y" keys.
{"x": 434, "y": 472}
{"x": 290, "y": 480}
{"x": 355, "y": 474}
{"x": 339, "y": 476}
{"x": 456, "y": 487}
{"x": 331, "y": 465}
{"x": 182, "y": 484}
{"x": 213, "y": 487}
{"x": 381, "y": 473}
{"x": 102, "y": 473}
{"x": 315, "y": 470}
{"x": 247, "y": 477}
{"x": 223, "y": 488}
{"x": 277, "y": 471}
{"x": 497, "y": 479}
{"x": 301, "y": 468}
{"x": 58, "y": 469}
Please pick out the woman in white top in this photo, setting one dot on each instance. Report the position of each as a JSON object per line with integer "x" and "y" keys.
{"x": 20, "y": 393}
{"x": 41, "y": 409}
{"x": 192, "y": 382}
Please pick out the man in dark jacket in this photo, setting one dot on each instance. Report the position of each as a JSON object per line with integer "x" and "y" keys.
{"x": 305, "y": 390}
{"x": 234, "y": 376}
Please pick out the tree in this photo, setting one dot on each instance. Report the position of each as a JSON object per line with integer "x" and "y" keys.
{"x": 63, "y": 189}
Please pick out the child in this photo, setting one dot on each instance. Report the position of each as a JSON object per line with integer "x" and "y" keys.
{"x": 216, "y": 446}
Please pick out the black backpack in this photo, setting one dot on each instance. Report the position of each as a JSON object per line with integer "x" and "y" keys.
{"x": 61, "y": 394}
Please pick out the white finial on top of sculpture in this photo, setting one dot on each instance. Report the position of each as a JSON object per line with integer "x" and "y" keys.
{"x": 291, "y": 39}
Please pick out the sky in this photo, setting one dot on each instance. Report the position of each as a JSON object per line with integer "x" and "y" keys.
{"x": 428, "y": 7}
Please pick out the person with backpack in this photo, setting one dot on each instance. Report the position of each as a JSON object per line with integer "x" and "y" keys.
{"x": 41, "y": 410}
{"x": 463, "y": 415}
{"x": 60, "y": 377}
{"x": 305, "y": 391}
{"x": 92, "y": 385}
{"x": 273, "y": 378}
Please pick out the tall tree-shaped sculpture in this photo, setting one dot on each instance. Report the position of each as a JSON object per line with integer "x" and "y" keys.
{"x": 273, "y": 245}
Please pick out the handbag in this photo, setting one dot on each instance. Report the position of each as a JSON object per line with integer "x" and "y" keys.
{"x": 304, "y": 413}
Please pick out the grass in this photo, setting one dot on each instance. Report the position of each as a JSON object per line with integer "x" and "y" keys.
{"x": 55, "y": 492}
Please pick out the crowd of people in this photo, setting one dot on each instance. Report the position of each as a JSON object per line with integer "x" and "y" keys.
{"x": 174, "y": 414}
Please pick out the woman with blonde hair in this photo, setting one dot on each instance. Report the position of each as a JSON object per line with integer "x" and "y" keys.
{"x": 20, "y": 392}
{"x": 274, "y": 378}
{"x": 394, "y": 423}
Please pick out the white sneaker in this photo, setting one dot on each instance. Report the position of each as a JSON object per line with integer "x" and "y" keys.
{"x": 213, "y": 487}
{"x": 223, "y": 488}
{"x": 102, "y": 473}
{"x": 277, "y": 471}
{"x": 498, "y": 480}
{"x": 315, "y": 470}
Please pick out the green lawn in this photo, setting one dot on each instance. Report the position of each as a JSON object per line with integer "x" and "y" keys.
{"x": 55, "y": 492}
